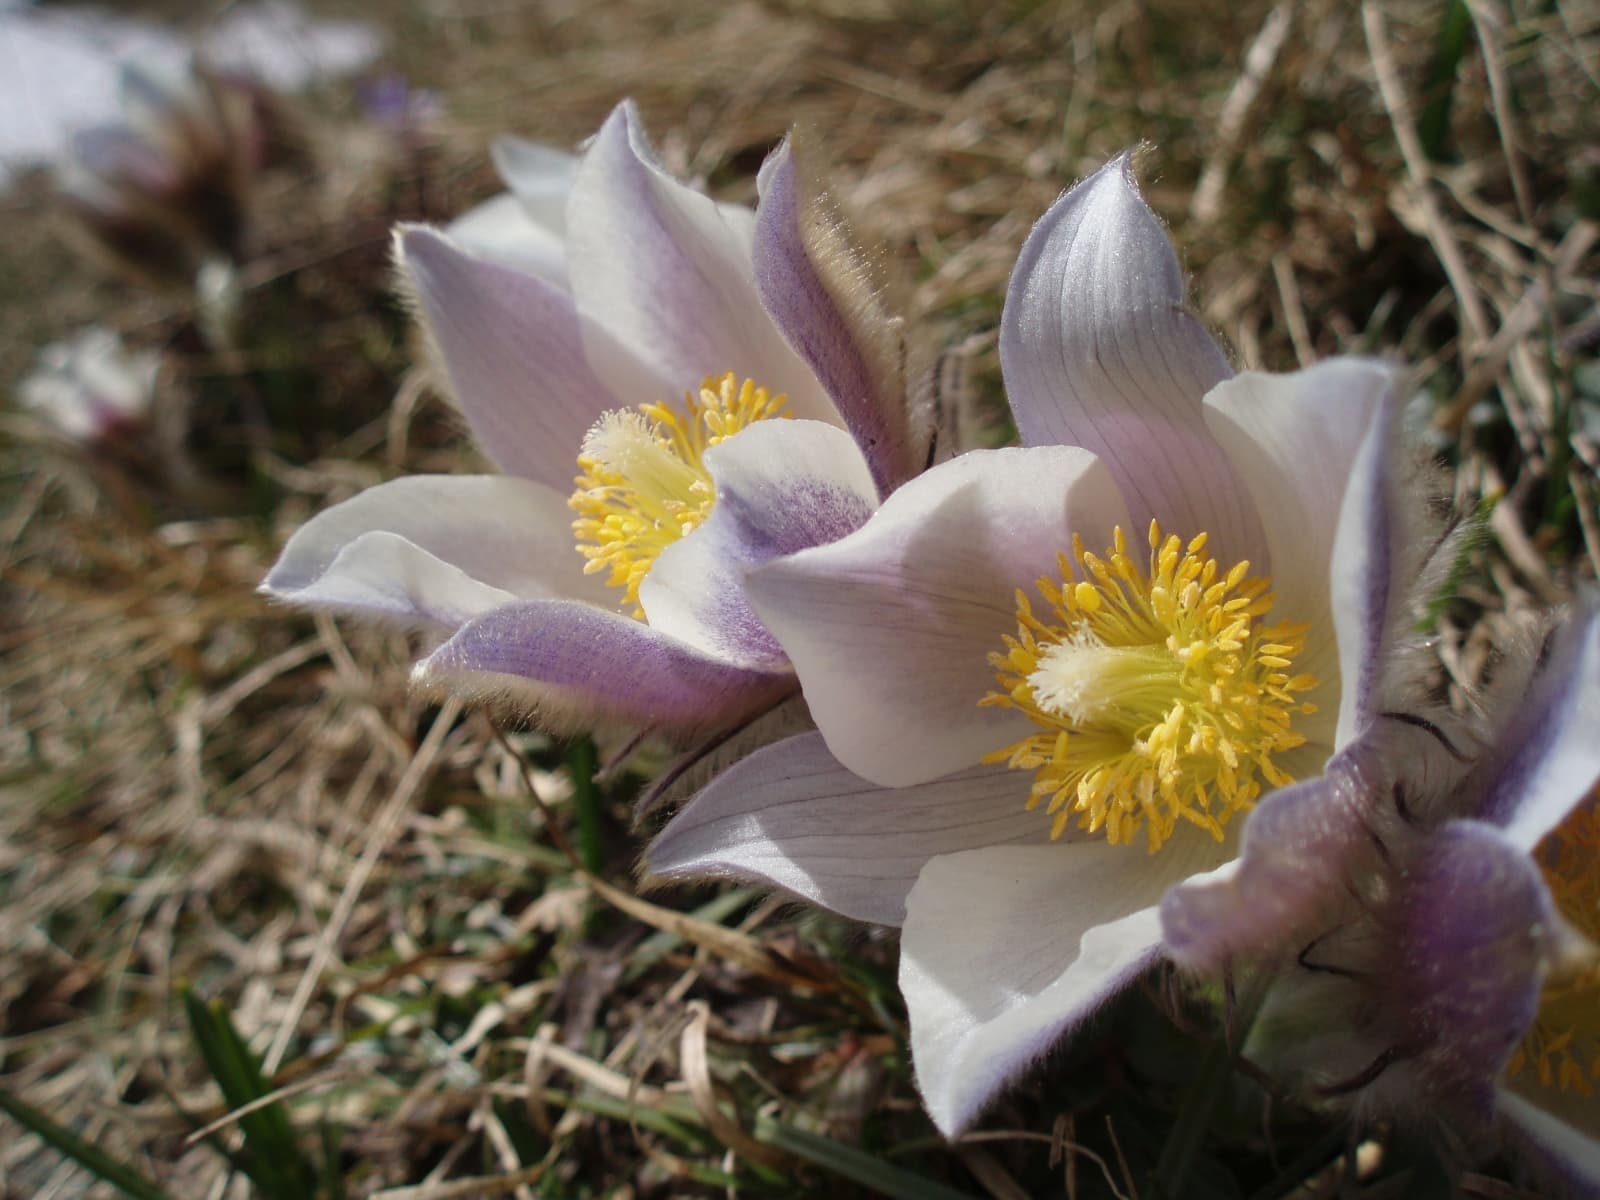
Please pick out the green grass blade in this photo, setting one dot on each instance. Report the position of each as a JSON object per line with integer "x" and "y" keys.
{"x": 87, "y": 1155}
{"x": 581, "y": 763}
{"x": 274, "y": 1161}
{"x": 856, "y": 1165}
{"x": 1433, "y": 125}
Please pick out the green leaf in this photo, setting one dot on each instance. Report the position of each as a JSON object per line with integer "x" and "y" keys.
{"x": 1433, "y": 125}
{"x": 273, "y": 1159}
{"x": 88, "y": 1156}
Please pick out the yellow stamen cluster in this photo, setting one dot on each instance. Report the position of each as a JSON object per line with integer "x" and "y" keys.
{"x": 1563, "y": 1046}
{"x": 1158, "y": 697}
{"x": 642, "y": 484}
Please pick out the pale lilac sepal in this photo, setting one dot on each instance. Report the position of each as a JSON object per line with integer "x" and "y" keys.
{"x": 419, "y": 550}
{"x": 1312, "y": 448}
{"x": 539, "y": 176}
{"x": 872, "y": 406}
{"x": 1295, "y": 849}
{"x": 1474, "y": 925}
{"x": 574, "y": 664}
{"x": 499, "y": 230}
{"x": 516, "y": 357}
{"x": 890, "y": 629}
{"x": 1552, "y": 746}
{"x": 791, "y": 816}
{"x": 1098, "y": 351}
{"x": 781, "y": 486}
{"x": 668, "y": 272}
{"x": 1008, "y": 949}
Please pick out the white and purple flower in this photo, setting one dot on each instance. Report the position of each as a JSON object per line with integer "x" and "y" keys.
{"x": 997, "y": 638}
{"x": 91, "y": 389}
{"x": 1452, "y": 970}
{"x": 674, "y": 390}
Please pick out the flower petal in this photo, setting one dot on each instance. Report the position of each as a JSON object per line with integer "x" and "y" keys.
{"x": 1295, "y": 440}
{"x": 1473, "y": 921}
{"x": 1300, "y": 847}
{"x": 1552, "y": 754}
{"x": 663, "y": 268}
{"x": 515, "y": 355}
{"x": 1098, "y": 351}
{"x": 499, "y": 230}
{"x": 781, "y": 486}
{"x": 1569, "y": 1156}
{"x": 439, "y": 549}
{"x": 1009, "y": 948}
{"x": 571, "y": 665}
{"x": 540, "y": 177}
{"x": 890, "y": 628}
{"x": 792, "y": 816}
{"x": 817, "y": 289}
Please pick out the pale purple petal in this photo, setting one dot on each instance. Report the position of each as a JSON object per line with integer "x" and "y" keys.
{"x": 1553, "y": 741}
{"x": 573, "y": 665}
{"x": 829, "y": 314}
{"x": 499, "y": 230}
{"x": 1294, "y": 440}
{"x": 1008, "y": 949}
{"x": 1472, "y": 928}
{"x": 1564, "y": 1154}
{"x": 791, "y": 816}
{"x": 516, "y": 358}
{"x": 1098, "y": 351}
{"x": 438, "y": 549}
{"x": 890, "y": 628}
{"x": 782, "y": 486}
{"x": 1295, "y": 846}
{"x": 664, "y": 269}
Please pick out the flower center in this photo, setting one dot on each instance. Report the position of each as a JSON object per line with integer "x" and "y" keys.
{"x": 642, "y": 484}
{"x": 1158, "y": 697}
{"x": 1563, "y": 1046}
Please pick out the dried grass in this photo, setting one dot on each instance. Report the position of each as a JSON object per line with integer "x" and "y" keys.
{"x": 195, "y": 786}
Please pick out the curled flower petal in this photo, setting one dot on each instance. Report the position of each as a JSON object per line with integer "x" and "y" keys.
{"x": 1098, "y": 351}
{"x": 791, "y": 816}
{"x": 572, "y": 665}
{"x": 1564, "y": 1154}
{"x": 668, "y": 274}
{"x": 818, "y": 292}
{"x": 540, "y": 177}
{"x": 890, "y": 628}
{"x": 1007, "y": 949}
{"x": 499, "y": 230}
{"x": 1551, "y": 751}
{"x": 418, "y": 549}
{"x": 781, "y": 486}
{"x": 1295, "y": 440}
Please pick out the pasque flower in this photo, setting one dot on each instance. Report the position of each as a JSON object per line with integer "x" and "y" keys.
{"x": 167, "y": 189}
{"x": 1045, "y": 678}
{"x": 1452, "y": 967}
{"x": 91, "y": 388}
{"x": 673, "y": 389}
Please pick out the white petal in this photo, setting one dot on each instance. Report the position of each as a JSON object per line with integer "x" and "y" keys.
{"x": 890, "y": 629}
{"x": 1552, "y": 749}
{"x": 436, "y": 548}
{"x": 540, "y": 177}
{"x": 1293, "y": 440}
{"x": 499, "y": 230}
{"x": 1007, "y": 949}
{"x": 791, "y": 816}
{"x": 1098, "y": 351}
{"x": 663, "y": 268}
{"x": 782, "y": 486}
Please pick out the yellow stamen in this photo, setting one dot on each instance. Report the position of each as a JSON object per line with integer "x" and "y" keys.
{"x": 642, "y": 484}
{"x": 1563, "y": 1046}
{"x": 1158, "y": 698}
